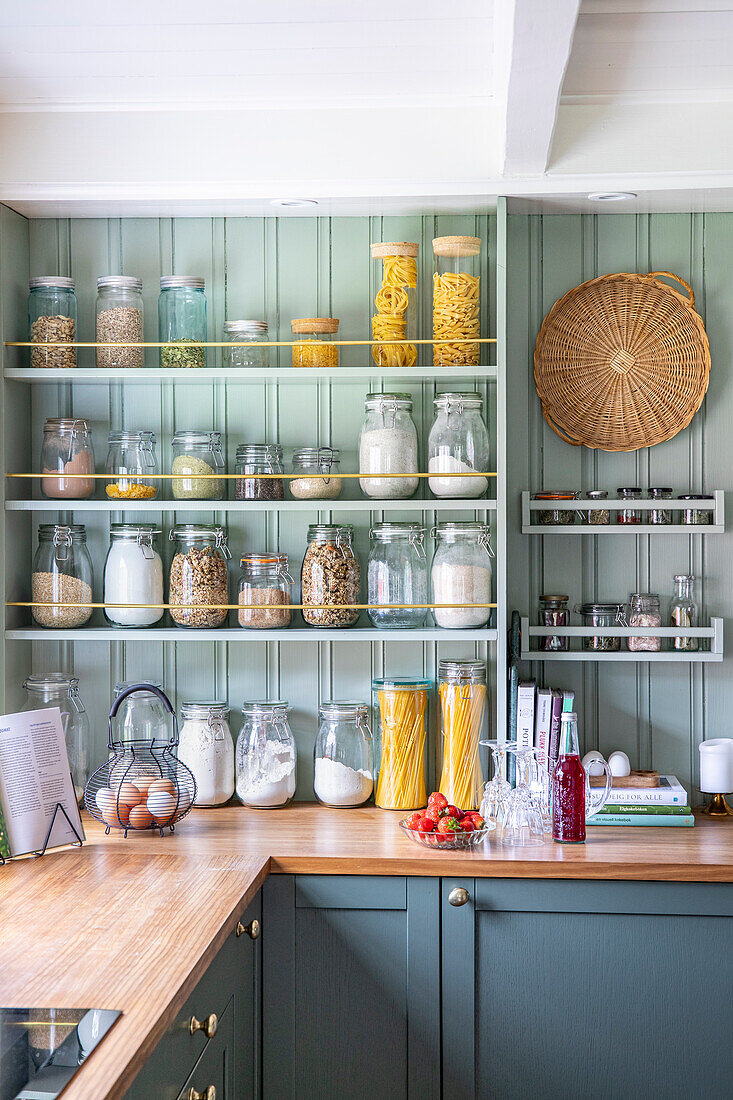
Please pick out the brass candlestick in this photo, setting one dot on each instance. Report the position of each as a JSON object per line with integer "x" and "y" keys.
{"x": 718, "y": 807}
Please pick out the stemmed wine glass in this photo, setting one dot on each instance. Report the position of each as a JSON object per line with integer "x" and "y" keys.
{"x": 497, "y": 790}
{"x": 521, "y": 819}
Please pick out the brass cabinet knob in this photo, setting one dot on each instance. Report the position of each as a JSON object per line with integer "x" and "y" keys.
{"x": 208, "y": 1026}
{"x": 458, "y": 896}
{"x": 208, "y": 1093}
{"x": 252, "y": 929}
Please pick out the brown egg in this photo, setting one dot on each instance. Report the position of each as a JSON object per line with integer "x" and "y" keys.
{"x": 142, "y": 782}
{"x": 140, "y": 817}
{"x": 114, "y": 817}
{"x": 129, "y": 794}
{"x": 161, "y": 785}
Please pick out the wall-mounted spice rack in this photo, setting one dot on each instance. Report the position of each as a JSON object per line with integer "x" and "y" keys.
{"x": 712, "y": 634}
{"x": 716, "y": 506}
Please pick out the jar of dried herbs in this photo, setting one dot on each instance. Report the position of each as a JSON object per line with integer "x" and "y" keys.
{"x": 698, "y": 508}
{"x": 119, "y": 320}
{"x": 556, "y": 515}
{"x": 596, "y": 516}
{"x": 182, "y": 321}
{"x": 600, "y": 615}
{"x": 52, "y": 320}
{"x": 252, "y": 463}
{"x": 660, "y": 515}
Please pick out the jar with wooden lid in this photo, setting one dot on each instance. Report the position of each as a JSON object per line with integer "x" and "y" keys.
{"x": 67, "y": 450}
{"x": 456, "y": 301}
{"x": 315, "y": 349}
{"x": 394, "y": 311}
{"x": 52, "y": 320}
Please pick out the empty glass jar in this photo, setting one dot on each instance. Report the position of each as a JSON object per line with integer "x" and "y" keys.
{"x": 462, "y": 574}
{"x": 343, "y": 755}
{"x": 250, "y": 335}
{"x": 388, "y": 445}
{"x": 119, "y": 321}
{"x": 554, "y": 612}
{"x": 315, "y": 349}
{"x": 182, "y": 321}
{"x": 130, "y": 462}
{"x": 265, "y": 756}
{"x": 258, "y": 459}
{"x": 142, "y": 716}
{"x": 311, "y": 461}
{"x": 459, "y": 445}
{"x": 56, "y": 689}
{"x": 331, "y": 576}
{"x": 456, "y": 301}
{"x": 199, "y": 575}
{"x": 198, "y": 453}
{"x": 265, "y": 581}
{"x": 63, "y": 575}
{"x": 67, "y": 450}
{"x": 397, "y": 573}
{"x": 52, "y": 320}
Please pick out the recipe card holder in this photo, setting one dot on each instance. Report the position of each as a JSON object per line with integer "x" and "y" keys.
{"x": 73, "y": 844}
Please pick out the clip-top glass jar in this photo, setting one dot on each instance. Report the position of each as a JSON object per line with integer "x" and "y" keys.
{"x": 401, "y": 716}
{"x": 62, "y": 574}
{"x": 182, "y": 321}
{"x": 197, "y": 453}
{"x": 199, "y": 575}
{"x": 252, "y": 335}
{"x": 52, "y": 320}
{"x": 56, "y": 689}
{"x": 458, "y": 444}
{"x": 331, "y": 576}
{"x": 554, "y": 612}
{"x": 67, "y": 450}
{"x": 315, "y": 350}
{"x": 120, "y": 320}
{"x": 266, "y": 756}
{"x": 556, "y": 516}
{"x": 395, "y": 304}
{"x": 265, "y": 591}
{"x": 257, "y": 459}
{"x": 598, "y": 615}
{"x": 388, "y": 446}
{"x": 456, "y": 301}
{"x": 462, "y": 574}
{"x": 140, "y": 717}
{"x": 206, "y": 747}
{"x": 343, "y": 755}
{"x": 130, "y": 463}
{"x": 464, "y": 723}
{"x": 397, "y": 573}
{"x": 309, "y": 461}
{"x": 644, "y": 611}
{"x": 133, "y": 574}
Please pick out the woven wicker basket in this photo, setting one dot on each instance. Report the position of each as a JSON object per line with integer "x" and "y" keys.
{"x": 622, "y": 362}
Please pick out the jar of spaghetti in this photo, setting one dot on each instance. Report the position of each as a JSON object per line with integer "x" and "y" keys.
{"x": 456, "y": 301}
{"x": 464, "y": 722}
{"x": 315, "y": 350}
{"x": 395, "y": 302}
{"x": 401, "y": 718}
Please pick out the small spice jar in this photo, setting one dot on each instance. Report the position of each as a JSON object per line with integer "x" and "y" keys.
{"x": 683, "y": 611}
{"x": 695, "y": 513}
{"x": 67, "y": 449}
{"x": 388, "y": 445}
{"x": 462, "y": 574}
{"x": 119, "y": 320}
{"x": 206, "y": 747}
{"x": 456, "y": 301}
{"x": 199, "y": 575}
{"x": 343, "y": 755}
{"x": 397, "y": 573}
{"x": 315, "y": 350}
{"x": 458, "y": 444}
{"x": 62, "y": 574}
{"x": 401, "y": 714}
{"x": 310, "y": 461}
{"x": 259, "y": 458}
{"x": 644, "y": 611}
{"x": 266, "y": 756}
{"x": 197, "y": 453}
{"x": 182, "y": 321}
{"x": 660, "y": 515}
{"x": 133, "y": 574}
{"x": 600, "y": 615}
{"x": 628, "y": 515}
{"x": 331, "y": 576}
{"x": 130, "y": 463}
{"x": 250, "y": 335}
{"x": 556, "y": 516}
{"x": 265, "y": 580}
{"x": 554, "y": 612}
{"x": 52, "y": 316}
{"x": 395, "y": 303}
{"x": 596, "y": 516}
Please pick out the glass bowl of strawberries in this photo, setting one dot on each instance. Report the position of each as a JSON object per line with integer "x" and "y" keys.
{"x": 442, "y": 825}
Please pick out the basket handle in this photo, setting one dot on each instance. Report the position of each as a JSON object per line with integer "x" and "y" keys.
{"x": 153, "y": 691}
{"x": 558, "y": 431}
{"x": 677, "y": 279}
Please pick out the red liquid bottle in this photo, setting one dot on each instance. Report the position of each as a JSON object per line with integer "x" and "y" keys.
{"x": 568, "y": 786}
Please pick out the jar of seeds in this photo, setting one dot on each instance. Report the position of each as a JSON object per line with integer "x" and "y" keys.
{"x": 644, "y": 611}
{"x": 62, "y": 574}
{"x": 600, "y": 615}
{"x": 182, "y": 321}
{"x": 52, "y": 320}
{"x": 660, "y": 515}
{"x": 199, "y": 575}
{"x": 250, "y": 335}
{"x": 698, "y": 508}
{"x": 309, "y": 462}
{"x": 254, "y": 459}
{"x": 596, "y": 516}
{"x": 554, "y": 612}
{"x": 197, "y": 453}
{"x": 119, "y": 320}
{"x": 331, "y": 576}
{"x": 265, "y": 589}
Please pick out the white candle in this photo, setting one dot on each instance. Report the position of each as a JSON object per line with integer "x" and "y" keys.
{"x": 716, "y": 765}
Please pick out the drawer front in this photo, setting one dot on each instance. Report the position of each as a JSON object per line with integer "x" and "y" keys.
{"x": 215, "y": 1068}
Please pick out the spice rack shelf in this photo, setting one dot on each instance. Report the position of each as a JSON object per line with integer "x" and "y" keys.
{"x": 238, "y": 634}
{"x": 443, "y": 505}
{"x": 712, "y": 633}
{"x": 248, "y": 376}
{"x": 717, "y": 527}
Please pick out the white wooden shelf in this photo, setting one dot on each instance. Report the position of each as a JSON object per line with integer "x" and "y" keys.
{"x": 443, "y": 505}
{"x": 247, "y": 375}
{"x": 238, "y": 634}
{"x": 716, "y": 506}
{"x": 712, "y": 633}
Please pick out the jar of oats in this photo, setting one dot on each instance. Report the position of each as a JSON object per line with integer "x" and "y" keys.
{"x": 331, "y": 576}
{"x": 119, "y": 320}
{"x": 62, "y": 575}
{"x": 198, "y": 577}
{"x": 52, "y": 320}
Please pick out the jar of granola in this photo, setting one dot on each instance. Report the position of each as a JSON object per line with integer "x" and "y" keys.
{"x": 331, "y": 576}
{"x": 198, "y": 576}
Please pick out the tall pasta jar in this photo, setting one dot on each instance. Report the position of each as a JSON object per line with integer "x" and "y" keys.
{"x": 253, "y": 350}
{"x": 331, "y": 576}
{"x": 266, "y": 756}
{"x": 462, "y": 574}
{"x": 397, "y": 573}
{"x": 456, "y": 300}
{"x": 315, "y": 349}
{"x": 198, "y": 453}
{"x": 56, "y": 689}
{"x": 401, "y": 718}
{"x": 52, "y": 317}
{"x": 199, "y": 575}
{"x": 458, "y": 444}
{"x": 119, "y": 320}
{"x": 394, "y": 313}
{"x": 464, "y": 722}
{"x": 62, "y": 574}
{"x": 67, "y": 449}
{"x": 343, "y": 755}
{"x": 182, "y": 320}
{"x": 388, "y": 445}
{"x": 131, "y": 462}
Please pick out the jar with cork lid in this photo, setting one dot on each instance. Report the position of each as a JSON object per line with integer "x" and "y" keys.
{"x": 315, "y": 349}
{"x": 394, "y": 311}
{"x": 456, "y": 301}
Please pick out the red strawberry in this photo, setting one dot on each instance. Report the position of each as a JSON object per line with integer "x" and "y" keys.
{"x": 413, "y": 821}
{"x": 437, "y": 799}
{"x": 450, "y": 811}
{"x": 433, "y": 813}
{"x": 426, "y": 825}
{"x": 477, "y": 819}
{"x": 448, "y": 825}
{"x": 467, "y": 825}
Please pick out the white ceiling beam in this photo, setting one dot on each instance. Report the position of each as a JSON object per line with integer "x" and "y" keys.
{"x": 532, "y": 43}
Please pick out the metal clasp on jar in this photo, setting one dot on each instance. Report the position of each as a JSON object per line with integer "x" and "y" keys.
{"x": 145, "y": 542}
{"x": 74, "y": 697}
{"x": 222, "y": 542}
{"x": 417, "y": 540}
{"x": 62, "y": 539}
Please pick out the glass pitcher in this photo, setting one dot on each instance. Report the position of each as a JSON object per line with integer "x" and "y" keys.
{"x": 55, "y": 689}
{"x": 573, "y": 798}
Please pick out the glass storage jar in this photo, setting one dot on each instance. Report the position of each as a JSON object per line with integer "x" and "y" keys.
{"x": 309, "y": 461}
{"x": 644, "y": 612}
{"x": 456, "y": 301}
{"x": 199, "y": 575}
{"x": 331, "y": 576}
{"x": 265, "y": 580}
{"x": 628, "y": 515}
{"x": 554, "y": 612}
{"x": 197, "y": 453}
{"x": 62, "y": 574}
{"x": 52, "y": 320}
{"x": 458, "y": 444}
{"x": 388, "y": 445}
{"x": 206, "y": 747}
{"x": 265, "y": 756}
{"x": 120, "y": 320}
{"x": 56, "y": 689}
{"x": 140, "y": 717}
{"x": 698, "y": 508}
{"x": 683, "y": 611}
{"x": 660, "y": 515}
{"x": 182, "y": 321}
{"x": 259, "y": 458}
{"x": 401, "y": 717}
{"x": 133, "y": 573}
{"x": 596, "y": 516}
{"x": 464, "y": 723}
{"x": 600, "y": 615}
{"x": 343, "y": 755}
{"x": 462, "y": 574}
{"x": 394, "y": 311}
{"x": 556, "y": 516}
{"x": 397, "y": 573}
{"x": 252, "y": 336}
{"x": 130, "y": 463}
{"x": 67, "y": 450}
{"x": 315, "y": 350}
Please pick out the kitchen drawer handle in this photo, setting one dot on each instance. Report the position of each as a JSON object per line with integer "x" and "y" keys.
{"x": 208, "y": 1026}
{"x": 458, "y": 896}
{"x": 208, "y": 1093}
{"x": 252, "y": 929}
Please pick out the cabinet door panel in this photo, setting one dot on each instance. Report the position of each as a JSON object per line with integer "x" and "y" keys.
{"x": 216, "y": 1065}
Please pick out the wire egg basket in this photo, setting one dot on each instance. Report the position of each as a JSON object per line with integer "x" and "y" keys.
{"x": 142, "y": 785}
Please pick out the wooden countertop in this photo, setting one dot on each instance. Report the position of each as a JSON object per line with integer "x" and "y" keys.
{"x": 118, "y": 923}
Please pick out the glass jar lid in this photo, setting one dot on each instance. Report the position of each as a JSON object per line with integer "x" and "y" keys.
{"x": 629, "y": 490}
{"x": 397, "y": 530}
{"x": 329, "y": 531}
{"x": 597, "y": 494}
{"x": 123, "y": 685}
{"x": 302, "y": 325}
{"x": 138, "y": 531}
{"x": 473, "y": 671}
{"x": 395, "y": 400}
{"x": 316, "y": 456}
{"x": 264, "y": 452}
{"x": 684, "y": 577}
{"x": 122, "y": 282}
{"x": 601, "y": 608}
{"x": 460, "y": 400}
{"x": 125, "y": 436}
{"x": 197, "y": 439}
{"x": 697, "y": 496}
{"x": 216, "y": 710}
{"x": 456, "y": 529}
{"x": 381, "y": 249}
{"x": 554, "y": 599}
{"x": 265, "y": 707}
{"x": 401, "y": 683}
{"x": 201, "y": 532}
{"x": 62, "y": 282}
{"x": 343, "y": 708}
{"x": 639, "y": 596}
{"x": 60, "y": 425}
{"x": 172, "y": 282}
{"x": 51, "y": 681}
{"x": 246, "y": 328}
{"x": 60, "y": 532}
{"x": 263, "y": 562}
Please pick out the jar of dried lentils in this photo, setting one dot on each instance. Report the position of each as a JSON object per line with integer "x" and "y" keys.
{"x": 199, "y": 575}
{"x": 315, "y": 350}
{"x": 265, "y": 591}
{"x": 331, "y": 576}
{"x": 254, "y": 459}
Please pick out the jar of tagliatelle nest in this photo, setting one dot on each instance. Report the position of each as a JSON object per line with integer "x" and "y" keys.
{"x": 315, "y": 349}
{"x": 395, "y": 302}
{"x": 456, "y": 301}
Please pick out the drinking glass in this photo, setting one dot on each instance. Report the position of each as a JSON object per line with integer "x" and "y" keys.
{"x": 498, "y": 789}
{"x": 521, "y": 821}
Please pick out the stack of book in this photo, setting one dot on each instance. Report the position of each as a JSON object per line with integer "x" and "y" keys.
{"x": 667, "y": 804}
{"x": 538, "y": 717}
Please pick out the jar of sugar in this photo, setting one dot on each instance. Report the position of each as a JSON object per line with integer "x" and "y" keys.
{"x": 133, "y": 574}
{"x": 458, "y": 444}
{"x": 461, "y": 575}
{"x": 343, "y": 755}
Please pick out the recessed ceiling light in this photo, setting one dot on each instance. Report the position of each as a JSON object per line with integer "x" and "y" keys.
{"x": 611, "y": 196}
{"x": 294, "y": 202}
